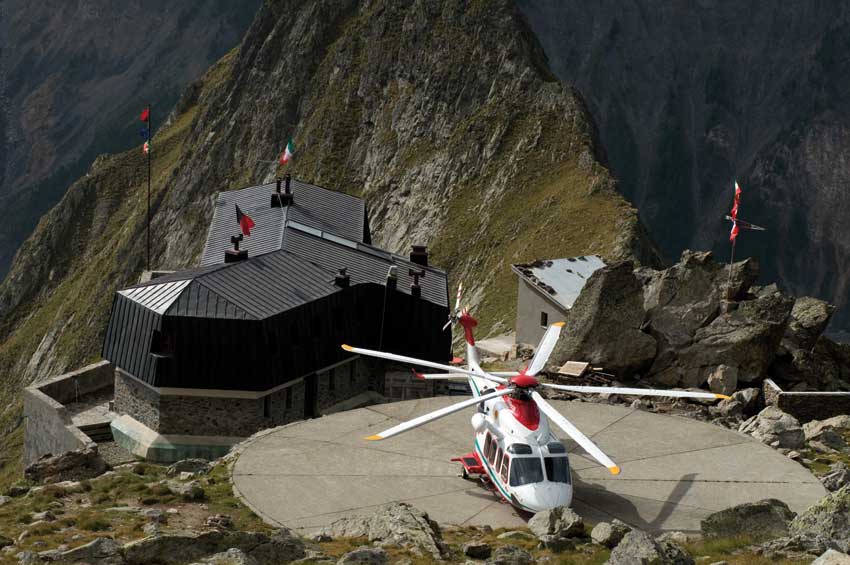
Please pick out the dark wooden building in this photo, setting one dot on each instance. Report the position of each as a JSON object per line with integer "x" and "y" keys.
{"x": 232, "y": 347}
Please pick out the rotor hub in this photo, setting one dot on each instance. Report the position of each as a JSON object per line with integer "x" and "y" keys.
{"x": 524, "y": 381}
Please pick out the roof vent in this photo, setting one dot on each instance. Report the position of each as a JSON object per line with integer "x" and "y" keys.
{"x": 415, "y": 289}
{"x": 342, "y": 279}
{"x": 419, "y": 255}
{"x": 392, "y": 277}
{"x": 235, "y": 255}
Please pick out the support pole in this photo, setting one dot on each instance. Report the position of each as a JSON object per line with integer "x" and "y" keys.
{"x": 150, "y": 127}
{"x": 729, "y": 282}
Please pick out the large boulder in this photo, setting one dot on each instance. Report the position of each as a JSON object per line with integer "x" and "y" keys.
{"x": 687, "y": 296}
{"x": 609, "y": 534}
{"x": 397, "y": 523}
{"x": 828, "y": 518}
{"x": 832, "y": 557}
{"x": 723, "y": 379}
{"x": 775, "y": 428}
{"x": 809, "y": 318}
{"x": 746, "y": 338}
{"x": 85, "y": 463}
{"x": 103, "y": 551}
{"x": 186, "y": 547}
{"x": 837, "y": 477}
{"x": 560, "y": 522}
{"x": 365, "y": 556}
{"x": 795, "y": 548}
{"x": 193, "y": 466}
{"x": 604, "y": 325}
{"x": 510, "y": 555}
{"x": 639, "y": 548}
{"x": 232, "y": 556}
{"x": 765, "y": 519}
{"x": 744, "y": 402}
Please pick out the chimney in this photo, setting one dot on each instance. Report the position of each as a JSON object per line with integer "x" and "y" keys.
{"x": 235, "y": 255}
{"x": 392, "y": 278}
{"x": 286, "y": 198}
{"x": 419, "y": 255}
{"x": 415, "y": 289}
{"x": 342, "y": 279}
{"x": 276, "y": 196}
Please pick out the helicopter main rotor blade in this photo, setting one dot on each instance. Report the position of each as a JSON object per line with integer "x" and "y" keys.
{"x": 504, "y": 373}
{"x": 437, "y": 414}
{"x": 572, "y": 431}
{"x": 421, "y": 362}
{"x": 440, "y": 376}
{"x": 635, "y": 391}
{"x": 457, "y": 299}
{"x": 544, "y": 350}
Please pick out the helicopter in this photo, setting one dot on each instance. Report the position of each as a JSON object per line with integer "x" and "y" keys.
{"x": 514, "y": 445}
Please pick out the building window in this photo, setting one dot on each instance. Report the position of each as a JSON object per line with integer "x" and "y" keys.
{"x": 544, "y": 319}
{"x": 288, "y": 397}
{"x": 332, "y": 380}
{"x": 267, "y": 406}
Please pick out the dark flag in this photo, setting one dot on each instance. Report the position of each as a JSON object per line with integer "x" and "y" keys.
{"x": 245, "y": 221}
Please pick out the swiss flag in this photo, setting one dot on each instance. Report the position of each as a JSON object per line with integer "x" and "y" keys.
{"x": 245, "y": 221}
{"x": 146, "y": 115}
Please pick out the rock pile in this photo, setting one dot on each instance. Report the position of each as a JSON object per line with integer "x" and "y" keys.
{"x": 672, "y": 327}
{"x": 75, "y": 465}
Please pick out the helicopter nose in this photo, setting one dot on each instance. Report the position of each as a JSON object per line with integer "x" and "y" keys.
{"x": 544, "y": 496}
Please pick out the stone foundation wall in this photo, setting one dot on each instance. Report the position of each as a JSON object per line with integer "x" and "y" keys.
{"x": 136, "y": 399}
{"x": 806, "y": 406}
{"x": 217, "y": 414}
{"x": 223, "y": 416}
{"x": 342, "y": 382}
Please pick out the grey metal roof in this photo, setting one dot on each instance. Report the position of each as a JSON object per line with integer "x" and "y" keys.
{"x": 277, "y": 281}
{"x": 560, "y": 279}
{"x": 314, "y": 206}
{"x": 364, "y": 263}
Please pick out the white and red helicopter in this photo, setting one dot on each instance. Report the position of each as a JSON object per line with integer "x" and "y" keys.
{"x": 514, "y": 444}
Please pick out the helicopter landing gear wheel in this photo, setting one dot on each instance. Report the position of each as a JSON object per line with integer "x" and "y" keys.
{"x": 464, "y": 474}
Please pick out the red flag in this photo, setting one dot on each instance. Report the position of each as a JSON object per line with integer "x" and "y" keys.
{"x": 245, "y": 221}
{"x": 734, "y": 233}
{"x": 734, "y": 212}
{"x": 146, "y": 114}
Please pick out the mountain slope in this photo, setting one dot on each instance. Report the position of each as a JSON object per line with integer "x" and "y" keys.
{"x": 441, "y": 114}
{"x": 689, "y": 96}
{"x": 77, "y": 77}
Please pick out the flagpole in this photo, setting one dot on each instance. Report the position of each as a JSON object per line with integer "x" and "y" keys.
{"x": 150, "y": 125}
{"x": 731, "y": 260}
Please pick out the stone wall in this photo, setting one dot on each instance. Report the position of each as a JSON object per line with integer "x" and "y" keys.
{"x": 806, "y": 406}
{"x": 529, "y": 306}
{"x": 48, "y": 426}
{"x": 343, "y": 382}
{"x": 136, "y": 399}
{"x": 220, "y": 414}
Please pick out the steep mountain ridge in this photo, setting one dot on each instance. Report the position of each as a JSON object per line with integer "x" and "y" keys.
{"x": 73, "y": 79}
{"x": 442, "y": 114}
{"x": 689, "y": 96}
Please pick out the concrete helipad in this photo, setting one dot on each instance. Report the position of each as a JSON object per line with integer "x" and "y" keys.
{"x": 675, "y": 471}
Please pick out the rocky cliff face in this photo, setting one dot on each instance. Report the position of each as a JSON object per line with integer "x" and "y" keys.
{"x": 688, "y": 97}
{"x": 73, "y": 79}
{"x": 442, "y": 114}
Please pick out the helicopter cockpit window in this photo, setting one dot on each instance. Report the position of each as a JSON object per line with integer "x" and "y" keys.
{"x": 525, "y": 470}
{"x": 557, "y": 469}
{"x": 519, "y": 449}
{"x": 556, "y": 447}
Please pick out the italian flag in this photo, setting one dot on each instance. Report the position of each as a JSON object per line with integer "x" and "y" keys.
{"x": 288, "y": 153}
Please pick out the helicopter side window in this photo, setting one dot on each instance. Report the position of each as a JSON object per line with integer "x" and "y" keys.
{"x": 487, "y": 441}
{"x": 491, "y": 453}
{"x": 498, "y": 460}
{"x": 557, "y": 469}
{"x": 525, "y": 470}
{"x": 505, "y": 460}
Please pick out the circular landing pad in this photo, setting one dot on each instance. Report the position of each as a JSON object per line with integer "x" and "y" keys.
{"x": 675, "y": 471}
